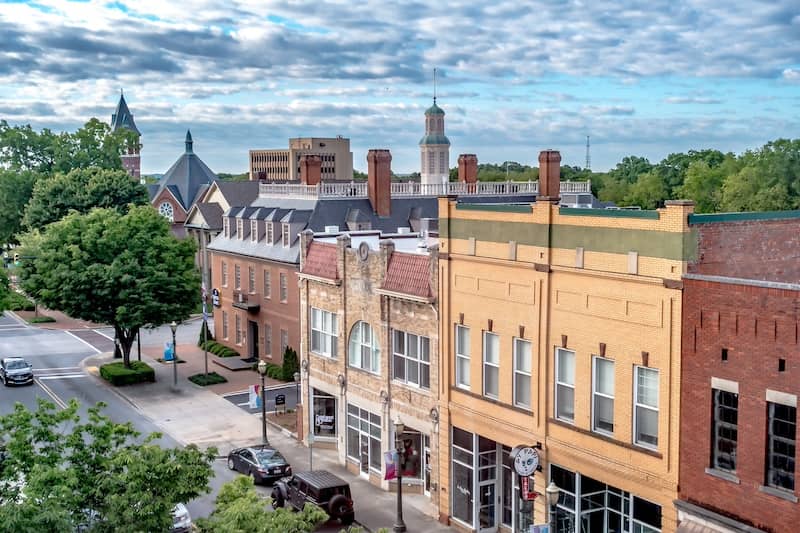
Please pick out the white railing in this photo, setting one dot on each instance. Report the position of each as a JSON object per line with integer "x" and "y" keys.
{"x": 400, "y": 189}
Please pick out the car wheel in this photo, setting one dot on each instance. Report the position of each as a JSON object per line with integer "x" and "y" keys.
{"x": 277, "y": 498}
{"x": 337, "y": 507}
{"x": 230, "y": 463}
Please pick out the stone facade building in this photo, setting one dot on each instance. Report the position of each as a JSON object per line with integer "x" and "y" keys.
{"x": 284, "y": 164}
{"x": 369, "y": 348}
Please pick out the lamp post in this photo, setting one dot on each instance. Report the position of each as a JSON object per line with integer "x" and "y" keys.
{"x": 174, "y": 328}
{"x": 310, "y": 408}
{"x": 552, "y": 493}
{"x": 262, "y": 369}
{"x": 399, "y": 427}
{"x": 296, "y": 389}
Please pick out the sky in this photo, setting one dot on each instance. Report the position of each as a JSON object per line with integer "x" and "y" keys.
{"x": 514, "y": 77}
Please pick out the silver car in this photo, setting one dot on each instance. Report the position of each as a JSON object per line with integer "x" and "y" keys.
{"x": 15, "y": 371}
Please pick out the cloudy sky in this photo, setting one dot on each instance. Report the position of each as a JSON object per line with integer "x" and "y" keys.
{"x": 643, "y": 78}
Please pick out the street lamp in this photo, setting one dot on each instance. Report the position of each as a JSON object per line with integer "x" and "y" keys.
{"x": 174, "y": 328}
{"x": 399, "y": 428}
{"x": 262, "y": 369}
{"x": 296, "y": 389}
{"x": 552, "y": 493}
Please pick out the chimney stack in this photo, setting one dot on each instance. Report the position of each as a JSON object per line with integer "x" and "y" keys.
{"x": 467, "y": 168}
{"x": 379, "y": 181}
{"x": 310, "y": 169}
{"x": 549, "y": 176}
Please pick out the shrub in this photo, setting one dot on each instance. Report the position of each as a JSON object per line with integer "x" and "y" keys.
{"x": 118, "y": 375}
{"x": 41, "y": 319}
{"x": 211, "y": 379}
{"x": 274, "y": 371}
{"x": 208, "y": 337}
{"x": 219, "y": 349}
{"x": 290, "y": 364}
{"x": 18, "y": 302}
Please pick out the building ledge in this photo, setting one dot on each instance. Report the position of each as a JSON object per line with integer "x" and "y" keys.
{"x": 779, "y": 493}
{"x": 605, "y": 438}
{"x": 688, "y": 511}
{"x": 721, "y": 474}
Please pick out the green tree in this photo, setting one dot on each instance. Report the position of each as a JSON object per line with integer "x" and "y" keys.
{"x": 630, "y": 168}
{"x": 290, "y": 364}
{"x": 5, "y": 290}
{"x": 81, "y": 190}
{"x": 63, "y": 470}
{"x": 704, "y": 182}
{"x": 239, "y": 509}
{"x": 747, "y": 190}
{"x": 125, "y": 270}
{"x": 23, "y": 148}
{"x": 16, "y": 188}
{"x": 647, "y": 192}
{"x": 244, "y": 176}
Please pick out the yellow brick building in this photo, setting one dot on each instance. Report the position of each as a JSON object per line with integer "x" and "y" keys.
{"x": 560, "y": 327}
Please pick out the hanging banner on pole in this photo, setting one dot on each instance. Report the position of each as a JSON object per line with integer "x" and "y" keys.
{"x": 254, "y": 396}
{"x": 390, "y": 463}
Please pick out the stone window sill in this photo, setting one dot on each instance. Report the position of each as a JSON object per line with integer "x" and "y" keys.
{"x": 779, "y": 493}
{"x": 721, "y": 474}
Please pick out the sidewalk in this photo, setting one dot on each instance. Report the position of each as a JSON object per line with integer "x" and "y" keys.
{"x": 199, "y": 415}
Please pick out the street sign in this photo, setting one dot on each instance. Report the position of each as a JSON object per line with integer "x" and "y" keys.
{"x": 215, "y": 297}
{"x": 280, "y": 399}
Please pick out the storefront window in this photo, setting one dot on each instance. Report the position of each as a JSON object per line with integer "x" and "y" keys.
{"x": 324, "y": 414}
{"x": 411, "y": 459}
{"x": 462, "y": 455}
{"x": 364, "y": 438}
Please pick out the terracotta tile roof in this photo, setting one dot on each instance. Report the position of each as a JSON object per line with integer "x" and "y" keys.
{"x": 409, "y": 274}
{"x": 321, "y": 260}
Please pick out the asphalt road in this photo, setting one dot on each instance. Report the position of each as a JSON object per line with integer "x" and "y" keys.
{"x": 58, "y": 378}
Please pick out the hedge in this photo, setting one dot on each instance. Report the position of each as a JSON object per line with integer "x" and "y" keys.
{"x": 117, "y": 374}
{"x": 18, "y": 302}
{"x": 211, "y": 379}
{"x": 219, "y": 349}
{"x": 40, "y": 319}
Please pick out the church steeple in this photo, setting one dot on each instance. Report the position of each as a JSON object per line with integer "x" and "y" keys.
{"x": 122, "y": 118}
{"x": 189, "y": 142}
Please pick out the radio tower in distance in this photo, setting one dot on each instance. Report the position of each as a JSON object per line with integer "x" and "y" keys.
{"x": 588, "y": 157}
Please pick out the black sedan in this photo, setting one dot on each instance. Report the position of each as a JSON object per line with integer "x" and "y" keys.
{"x": 262, "y": 463}
{"x": 15, "y": 371}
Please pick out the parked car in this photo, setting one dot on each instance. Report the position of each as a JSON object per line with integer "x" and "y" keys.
{"x": 320, "y": 487}
{"x": 262, "y": 463}
{"x": 15, "y": 371}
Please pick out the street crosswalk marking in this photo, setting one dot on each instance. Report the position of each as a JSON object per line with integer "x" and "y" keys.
{"x": 62, "y": 376}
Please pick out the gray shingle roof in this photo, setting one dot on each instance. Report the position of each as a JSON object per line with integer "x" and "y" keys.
{"x": 187, "y": 178}
{"x": 122, "y": 117}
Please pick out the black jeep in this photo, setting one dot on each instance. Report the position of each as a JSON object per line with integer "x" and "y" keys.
{"x": 328, "y": 491}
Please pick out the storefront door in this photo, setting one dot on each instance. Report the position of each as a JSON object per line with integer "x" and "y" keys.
{"x": 427, "y": 459}
{"x": 488, "y": 502}
{"x": 365, "y": 455}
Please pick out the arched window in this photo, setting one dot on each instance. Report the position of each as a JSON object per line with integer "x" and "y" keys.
{"x": 364, "y": 351}
{"x": 165, "y": 210}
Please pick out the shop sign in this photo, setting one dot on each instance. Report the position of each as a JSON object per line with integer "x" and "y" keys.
{"x": 526, "y": 460}
{"x": 215, "y": 297}
{"x": 325, "y": 422}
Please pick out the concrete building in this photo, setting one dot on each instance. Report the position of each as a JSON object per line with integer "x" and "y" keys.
{"x": 284, "y": 165}
{"x": 741, "y": 375}
{"x": 434, "y": 148}
{"x": 369, "y": 348}
{"x": 560, "y": 328}
{"x": 122, "y": 118}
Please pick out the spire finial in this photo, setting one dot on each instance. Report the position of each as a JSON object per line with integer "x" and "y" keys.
{"x": 434, "y": 85}
{"x": 189, "y": 142}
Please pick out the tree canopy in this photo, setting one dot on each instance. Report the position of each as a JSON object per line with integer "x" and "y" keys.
{"x": 16, "y": 189}
{"x": 62, "y": 470}
{"x": 81, "y": 190}
{"x": 125, "y": 270}
{"x": 5, "y": 290}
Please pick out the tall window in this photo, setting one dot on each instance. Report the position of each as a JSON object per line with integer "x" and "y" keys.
{"x": 224, "y": 274}
{"x": 254, "y": 230}
{"x": 491, "y": 364}
{"x": 268, "y": 339}
{"x": 364, "y": 437}
{"x": 239, "y": 228}
{"x": 462, "y": 454}
{"x": 323, "y": 332}
{"x": 224, "y": 324}
{"x": 603, "y": 396}
{"x": 781, "y": 445}
{"x": 411, "y": 361}
{"x": 565, "y": 384}
{"x": 725, "y": 431}
{"x": 267, "y": 284}
{"x": 284, "y": 287}
{"x": 284, "y": 340}
{"x": 237, "y": 277}
{"x": 364, "y": 351}
{"x": 462, "y": 356}
{"x": 238, "y": 331}
{"x": 645, "y": 402}
{"x": 285, "y": 235}
{"x": 226, "y": 226}
{"x": 270, "y": 235}
{"x": 251, "y": 279}
{"x": 522, "y": 373}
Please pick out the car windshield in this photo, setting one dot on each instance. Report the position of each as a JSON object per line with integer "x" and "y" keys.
{"x": 16, "y": 364}
{"x": 269, "y": 456}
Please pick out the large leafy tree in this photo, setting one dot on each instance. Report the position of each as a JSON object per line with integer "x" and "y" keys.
{"x": 5, "y": 290}
{"x": 81, "y": 190}
{"x": 63, "y": 470}
{"x": 239, "y": 509}
{"x": 16, "y": 189}
{"x": 125, "y": 270}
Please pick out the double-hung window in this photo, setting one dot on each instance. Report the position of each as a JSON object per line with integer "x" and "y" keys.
{"x": 284, "y": 287}
{"x": 251, "y": 279}
{"x": 565, "y": 385}
{"x": 254, "y": 231}
{"x": 237, "y": 277}
{"x": 725, "y": 430}
{"x": 268, "y": 339}
{"x": 364, "y": 351}
{"x": 491, "y": 364}
{"x": 323, "y": 332}
{"x": 411, "y": 361}
{"x": 462, "y": 356}
{"x": 285, "y": 235}
{"x": 267, "y": 284}
{"x": 603, "y": 396}
{"x": 224, "y": 274}
{"x": 224, "y": 324}
{"x": 781, "y": 445}
{"x": 645, "y": 405}
{"x": 270, "y": 236}
{"x": 238, "y": 321}
{"x": 522, "y": 373}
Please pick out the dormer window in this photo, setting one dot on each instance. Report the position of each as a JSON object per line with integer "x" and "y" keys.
{"x": 226, "y": 227}
{"x": 270, "y": 236}
{"x": 254, "y": 230}
{"x": 240, "y": 228}
{"x": 285, "y": 235}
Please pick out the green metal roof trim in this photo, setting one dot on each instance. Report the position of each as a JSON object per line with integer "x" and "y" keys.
{"x": 611, "y": 213}
{"x": 434, "y": 110}
{"x": 504, "y": 208}
{"x": 434, "y": 139}
{"x": 739, "y": 217}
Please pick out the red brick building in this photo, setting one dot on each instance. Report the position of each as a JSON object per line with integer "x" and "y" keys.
{"x": 741, "y": 375}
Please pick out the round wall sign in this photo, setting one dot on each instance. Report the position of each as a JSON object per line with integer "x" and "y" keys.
{"x": 526, "y": 460}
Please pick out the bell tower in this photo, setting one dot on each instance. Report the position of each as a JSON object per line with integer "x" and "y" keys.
{"x": 131, "y": 158}
{"x": 434, "y": 147}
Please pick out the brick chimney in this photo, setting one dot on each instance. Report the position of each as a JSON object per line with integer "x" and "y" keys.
{"x": 467, "y": 168}
{"x": 379, "y": 181}
{"x": 310, "y": 169}
{"x": 549, "y": 176}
